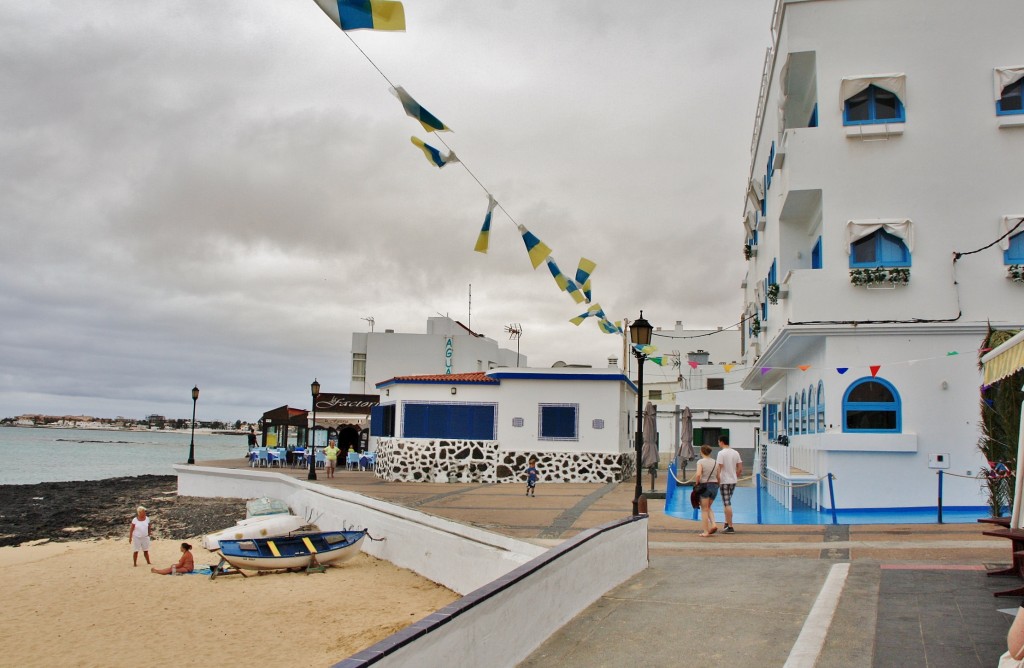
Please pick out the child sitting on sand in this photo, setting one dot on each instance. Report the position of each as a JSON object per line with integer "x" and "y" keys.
{"x": 184, "y": 565}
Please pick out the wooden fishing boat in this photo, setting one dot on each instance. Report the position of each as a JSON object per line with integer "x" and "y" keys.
{"x": 286, "y": 552}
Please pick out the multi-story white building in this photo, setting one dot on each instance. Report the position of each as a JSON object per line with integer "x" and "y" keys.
{"x": 448, "y": 347}
{"x": 886, "y": 163}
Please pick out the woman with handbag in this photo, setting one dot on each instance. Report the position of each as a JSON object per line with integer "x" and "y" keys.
{"x": 706, "y": 488}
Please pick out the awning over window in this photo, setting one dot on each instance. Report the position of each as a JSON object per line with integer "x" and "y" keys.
{"x": 1006, "y": 76}
{"x": 776, "y": 394}
{"x": 1004, "y": 360}
{"x": 898, "y": 227}
{"x": 894, "y": 83}
{"x": 758, "y": 187}
{"x": 1005, "y": 225}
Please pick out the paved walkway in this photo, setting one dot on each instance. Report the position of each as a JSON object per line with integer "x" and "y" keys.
{"x": 910, "y": 595}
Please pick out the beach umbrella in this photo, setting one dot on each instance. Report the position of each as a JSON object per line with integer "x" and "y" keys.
{"x": 685, "y": 452}
{"x": 649, "y": 454}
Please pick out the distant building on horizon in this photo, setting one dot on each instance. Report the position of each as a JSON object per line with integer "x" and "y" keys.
{"x": 447, "y": 347}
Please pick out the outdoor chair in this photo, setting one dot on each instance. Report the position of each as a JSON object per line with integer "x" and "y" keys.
{"x": 321, "y": 460}
{"x": 352, "y": 461}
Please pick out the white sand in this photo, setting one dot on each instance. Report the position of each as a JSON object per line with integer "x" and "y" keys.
{"x": 83, "y": 604}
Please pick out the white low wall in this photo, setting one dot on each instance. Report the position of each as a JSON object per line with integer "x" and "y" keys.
{"x": 455, "y": 555}
{"x": 503, "y": 622}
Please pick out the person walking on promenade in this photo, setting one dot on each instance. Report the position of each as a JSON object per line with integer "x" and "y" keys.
{"x": 531, "y": 478}
{"x": 185, "y": 565}
{"x": 139, "y": 534}
{"x": 730, "y": 468}
{"x": 331, "y": 454}
{"x": 707, "y": 477}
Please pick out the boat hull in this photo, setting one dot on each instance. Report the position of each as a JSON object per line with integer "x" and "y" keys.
{"x": 262, "y": 526}
{"x": 328, "y": 547}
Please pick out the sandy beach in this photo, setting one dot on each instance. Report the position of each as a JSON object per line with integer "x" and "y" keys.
{"x": 81, "y": 603}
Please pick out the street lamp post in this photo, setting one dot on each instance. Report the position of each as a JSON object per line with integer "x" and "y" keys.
{"x": 192, "y": 444}
{"x": 639, "y": 335}
{"x": 314, "y": 387}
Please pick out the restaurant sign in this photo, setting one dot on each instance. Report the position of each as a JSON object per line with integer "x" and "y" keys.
{"x": 346, "y": 403}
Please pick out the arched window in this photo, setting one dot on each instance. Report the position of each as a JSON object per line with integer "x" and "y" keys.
{"x": 872, "y": 405}
{"x": 1010, "y": 101}
{"x": 812, "y": 422}
{"x": 789, "y": 415}
{"x": 803, "y": 412}
{"x": 873, "y": 105}
{"x": 879, "y": 249}
{"x": 1015, "y": 253}
{"x": 821, "y": 406}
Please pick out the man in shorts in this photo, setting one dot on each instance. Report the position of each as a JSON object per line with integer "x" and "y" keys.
{"x": 730, "y": 468}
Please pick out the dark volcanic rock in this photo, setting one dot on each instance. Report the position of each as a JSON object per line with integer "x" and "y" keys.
{"x": 62, "y": 511}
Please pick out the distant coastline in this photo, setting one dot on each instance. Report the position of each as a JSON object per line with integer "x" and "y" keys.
{"x": 199, "y": 430}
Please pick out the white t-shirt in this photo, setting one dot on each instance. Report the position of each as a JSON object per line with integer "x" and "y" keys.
{"x": 727, "y": 460}
{"x": 141, "y": 527}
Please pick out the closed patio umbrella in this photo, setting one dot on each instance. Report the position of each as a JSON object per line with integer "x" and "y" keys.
{"x": 649, "y": 453}
{"x": 685, "y": 452}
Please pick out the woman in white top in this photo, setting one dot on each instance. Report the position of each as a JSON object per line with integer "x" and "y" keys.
{"x": 707, "y": 475}
{"x": 139, "y": 534}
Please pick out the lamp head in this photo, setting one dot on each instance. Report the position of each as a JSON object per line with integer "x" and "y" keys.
{"x": 640, "y": 331}
{"x": 195, "y": 393}
{"x": 315, "y": 387}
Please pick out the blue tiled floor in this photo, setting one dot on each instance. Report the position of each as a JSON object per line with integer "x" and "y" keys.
{"x": 744, "y": 504}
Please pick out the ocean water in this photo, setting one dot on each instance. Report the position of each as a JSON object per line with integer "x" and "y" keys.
{"x": 33, "y": 455}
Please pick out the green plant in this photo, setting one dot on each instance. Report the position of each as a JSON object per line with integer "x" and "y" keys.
{"x": 755, "y": 326}
{"x": 1015, "y": 272}
{"x": 876, "y": 275}
{"x": 773, "y": 293}
{"x": 748, "y": 251}
{"x": 1000, "y": 425}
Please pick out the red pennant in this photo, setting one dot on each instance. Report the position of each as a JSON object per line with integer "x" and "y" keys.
{"x": 693, "y": 365}
{"x": 874, "y": 370}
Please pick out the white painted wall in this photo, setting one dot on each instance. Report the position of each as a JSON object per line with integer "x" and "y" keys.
{"x": 455, "y": 555}
{"x": 954, "y": 172}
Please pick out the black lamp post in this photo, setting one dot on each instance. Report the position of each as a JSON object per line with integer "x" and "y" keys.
{"x": 192, "y": 444}
{"x": 314, "y": 387}
{"x": 639, "y": 335}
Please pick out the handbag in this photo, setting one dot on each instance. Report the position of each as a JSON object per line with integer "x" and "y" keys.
{"x": 698, "y": 489}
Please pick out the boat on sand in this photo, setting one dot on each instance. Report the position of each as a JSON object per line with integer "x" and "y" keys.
{"x": 307, "y": 551}
{"x": 260, "y": 526}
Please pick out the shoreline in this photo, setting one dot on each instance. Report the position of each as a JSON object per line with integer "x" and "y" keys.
{"x": 199, "y": 430}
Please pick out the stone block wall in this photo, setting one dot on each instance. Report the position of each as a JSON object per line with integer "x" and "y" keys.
{"x": 437, "y": 460}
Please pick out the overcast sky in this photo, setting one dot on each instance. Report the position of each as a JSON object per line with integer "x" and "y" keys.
{"x": 217, "y": 193}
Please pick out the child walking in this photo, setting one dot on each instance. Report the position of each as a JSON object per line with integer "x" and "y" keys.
{"x": 531, "y": 478}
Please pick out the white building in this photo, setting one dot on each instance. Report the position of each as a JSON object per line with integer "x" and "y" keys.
{"x": 448, "y": 347}
{"x": 485, "y": 426}
{"x": 701, "y": 370}
{"x": 888, "y": 139}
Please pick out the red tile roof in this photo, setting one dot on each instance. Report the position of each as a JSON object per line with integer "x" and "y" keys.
{"x": 474, "y": 377}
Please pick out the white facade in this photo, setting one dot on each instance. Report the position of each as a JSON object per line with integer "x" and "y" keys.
{"x": 941, "y": 173}
{"x": 592, "y": 442}
{"x": 446, "y": 347}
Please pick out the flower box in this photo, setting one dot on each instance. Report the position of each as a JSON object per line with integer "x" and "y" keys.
{"x": 869, "y": 276}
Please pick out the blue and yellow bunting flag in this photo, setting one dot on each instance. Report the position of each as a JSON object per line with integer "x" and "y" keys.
{"x": 412, "y": 108}
{"x": 594, "y": 311}
{"x": 574, "y": 291}
{"x": 583, "y": 271}
{"x": 536, "y": 248}
{"x": 365, "y": 14}
{"x": 433, "y": 155}
{"x": 556, "y": 273}
{"x": 609, "y": 327}
{"x": 485, "y": 232}
{"x": 644, "y": 350}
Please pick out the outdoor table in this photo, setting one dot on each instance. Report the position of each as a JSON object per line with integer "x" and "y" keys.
{"x": 297, "y": 456}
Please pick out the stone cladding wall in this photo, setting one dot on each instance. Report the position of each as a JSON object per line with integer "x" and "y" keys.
{"x": 438, "y": 460}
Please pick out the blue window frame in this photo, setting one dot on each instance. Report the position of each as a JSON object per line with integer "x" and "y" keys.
{"x": 449, "y": 420}
{"x": 1015, "y": 253}
{"x": 1010, "y": 102}
{"x": 773, "y": 426}
{"x": 382, "y": 420}
{"x": 816, "y": 255}
{"x": 879, "y": 249}
{"x": 773, "y": 274}
{"x": 871, "y": 106}
{"x": 791, "y": 417}
{"x": 872, "y": 405}
{"x": 821, "y": 406}
{"x": 812, "y": 422}
{"x": 813, "y": 121}
{"x": 558, "y": 422}
{"x": 803, "y": 412}
{"x": 764, "y": 200}
{"x": 770, "y": 170}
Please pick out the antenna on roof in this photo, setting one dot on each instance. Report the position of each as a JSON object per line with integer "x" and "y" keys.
{"x": 371, "y": 321}
{"x": 515, "y": 330}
